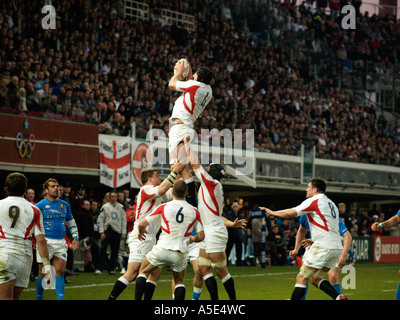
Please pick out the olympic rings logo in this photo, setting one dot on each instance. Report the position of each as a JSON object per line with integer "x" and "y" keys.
{"x": 25, "y": 144}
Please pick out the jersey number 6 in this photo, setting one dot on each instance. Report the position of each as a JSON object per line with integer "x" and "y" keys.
{"x": 179, "y": 216}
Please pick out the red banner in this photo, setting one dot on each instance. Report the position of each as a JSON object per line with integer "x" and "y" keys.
{"x": 386, "y": 249}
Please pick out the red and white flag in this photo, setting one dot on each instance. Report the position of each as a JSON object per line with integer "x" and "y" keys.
{"x": 114, "y": 156}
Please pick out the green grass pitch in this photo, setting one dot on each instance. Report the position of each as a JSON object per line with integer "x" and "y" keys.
{"x": 372, "y": 282}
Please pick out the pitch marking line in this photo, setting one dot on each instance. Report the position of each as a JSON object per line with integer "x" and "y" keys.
{"x": 168, "y": 280}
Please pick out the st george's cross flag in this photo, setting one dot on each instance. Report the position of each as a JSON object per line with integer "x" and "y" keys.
{"x": 114, "y": 158}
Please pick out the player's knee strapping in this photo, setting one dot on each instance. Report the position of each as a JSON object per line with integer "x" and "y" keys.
{"x": 204, "y": 262}
{"x": 219, "y": 264}
{"x": 307, "y": 272}
{"x": 320, "y": 274}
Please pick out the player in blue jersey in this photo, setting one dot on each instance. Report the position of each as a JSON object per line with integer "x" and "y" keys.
{"x": 333, "y": 274}
{"x": 55, "y": 213}
{"x": 393, "y": 221}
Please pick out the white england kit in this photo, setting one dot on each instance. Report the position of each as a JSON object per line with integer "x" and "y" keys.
{"x": 178, "y": 219}
{"x": 196, "y": 95}
{"x": 148, "y": 200}
{"x": 323, "y": 218}
{"x": 20, "y": 221}
{"x": 211, "y": 203}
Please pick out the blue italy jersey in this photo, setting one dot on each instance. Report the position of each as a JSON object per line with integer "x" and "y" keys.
{"x": 398, "y": 213}
{"x": 304, "y": 223}
{"x": 55, "y": 213}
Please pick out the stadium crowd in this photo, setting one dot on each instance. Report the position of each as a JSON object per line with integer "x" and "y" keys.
{"x": 277, "y": 68}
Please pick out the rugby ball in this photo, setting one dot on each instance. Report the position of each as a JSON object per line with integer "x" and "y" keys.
{"x": 186, "y": 72}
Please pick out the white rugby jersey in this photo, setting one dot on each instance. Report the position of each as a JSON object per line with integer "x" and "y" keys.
{"x": 196, "y": 95}
{"x": 211, "y": 199}
{"x": 178, "y": 219}
{"x": 323, "y": 218}
{"x": 20, "y": 221}
{"x": 148, "y": 200}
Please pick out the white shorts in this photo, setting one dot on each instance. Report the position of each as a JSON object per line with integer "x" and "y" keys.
{"x": 159, "y": 256}
{"x": 194, "y": 249}
{"x": 319, "y": 257}
{"x": 177, "y": 133}
{"x": 15, "y": 266}
{"x": 215, "y": 240}
{"x": 57, "y": 248}
{"x": 139, "y": 249}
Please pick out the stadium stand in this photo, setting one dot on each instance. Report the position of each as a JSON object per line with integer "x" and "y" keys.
{"x": 281, "y": 69}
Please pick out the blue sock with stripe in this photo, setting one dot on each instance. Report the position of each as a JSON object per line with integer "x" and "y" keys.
{"x": 60, "y": 287}
{"x": 337, "y": 288}
{"x": 39, "y": 288}
{"x": 305, "y": 293}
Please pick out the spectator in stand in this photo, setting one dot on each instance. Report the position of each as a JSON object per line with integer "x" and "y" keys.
{"x": 277, "y": 245}
{"x": 112, "y": 229}
{"x": 30, "y": 195}
{"x": 85, "y": 226}
{"x": 344, "y": 215}
{"x": 235, "y": 236}
{"x": 94, "y": 211}
{"x": 121, "y": 199}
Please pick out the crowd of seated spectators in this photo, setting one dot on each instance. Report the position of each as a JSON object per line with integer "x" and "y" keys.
{"x": 276, "y": 64}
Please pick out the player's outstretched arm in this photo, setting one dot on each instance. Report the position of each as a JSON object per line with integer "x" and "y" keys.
{"x": 286, "y": 213}
{"x": 395, "y": 220}
{"x": 242, "y": 223}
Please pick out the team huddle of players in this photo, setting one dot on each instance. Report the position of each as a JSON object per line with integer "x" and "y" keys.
{"x": 192, "y": 226}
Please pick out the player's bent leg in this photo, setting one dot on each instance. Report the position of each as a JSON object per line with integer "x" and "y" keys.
{"x": 301, "y": 282}
{"x": 180, "y": 289}
{"x": 123, "y": 281}
{"x": 132, "y": 271}
{"x": 17, "y": 293}
{"x": 141, "y": 279}
{"x": 7, "y": 290}
{"x": 197, "y": 281}
{"x": 151, "y": 283}
{"x": 219, "y": 263}
{"x": 324, "y": 285}
{"x": 59, "y": 265}
{"x": 38, "y": 283}
{"x": 333, "y": 276}
{"x": 206, "y": 272}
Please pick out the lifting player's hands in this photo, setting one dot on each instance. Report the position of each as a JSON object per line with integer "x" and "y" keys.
{"x": 180, "y": 69}
{"x": 178, "y": 166}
